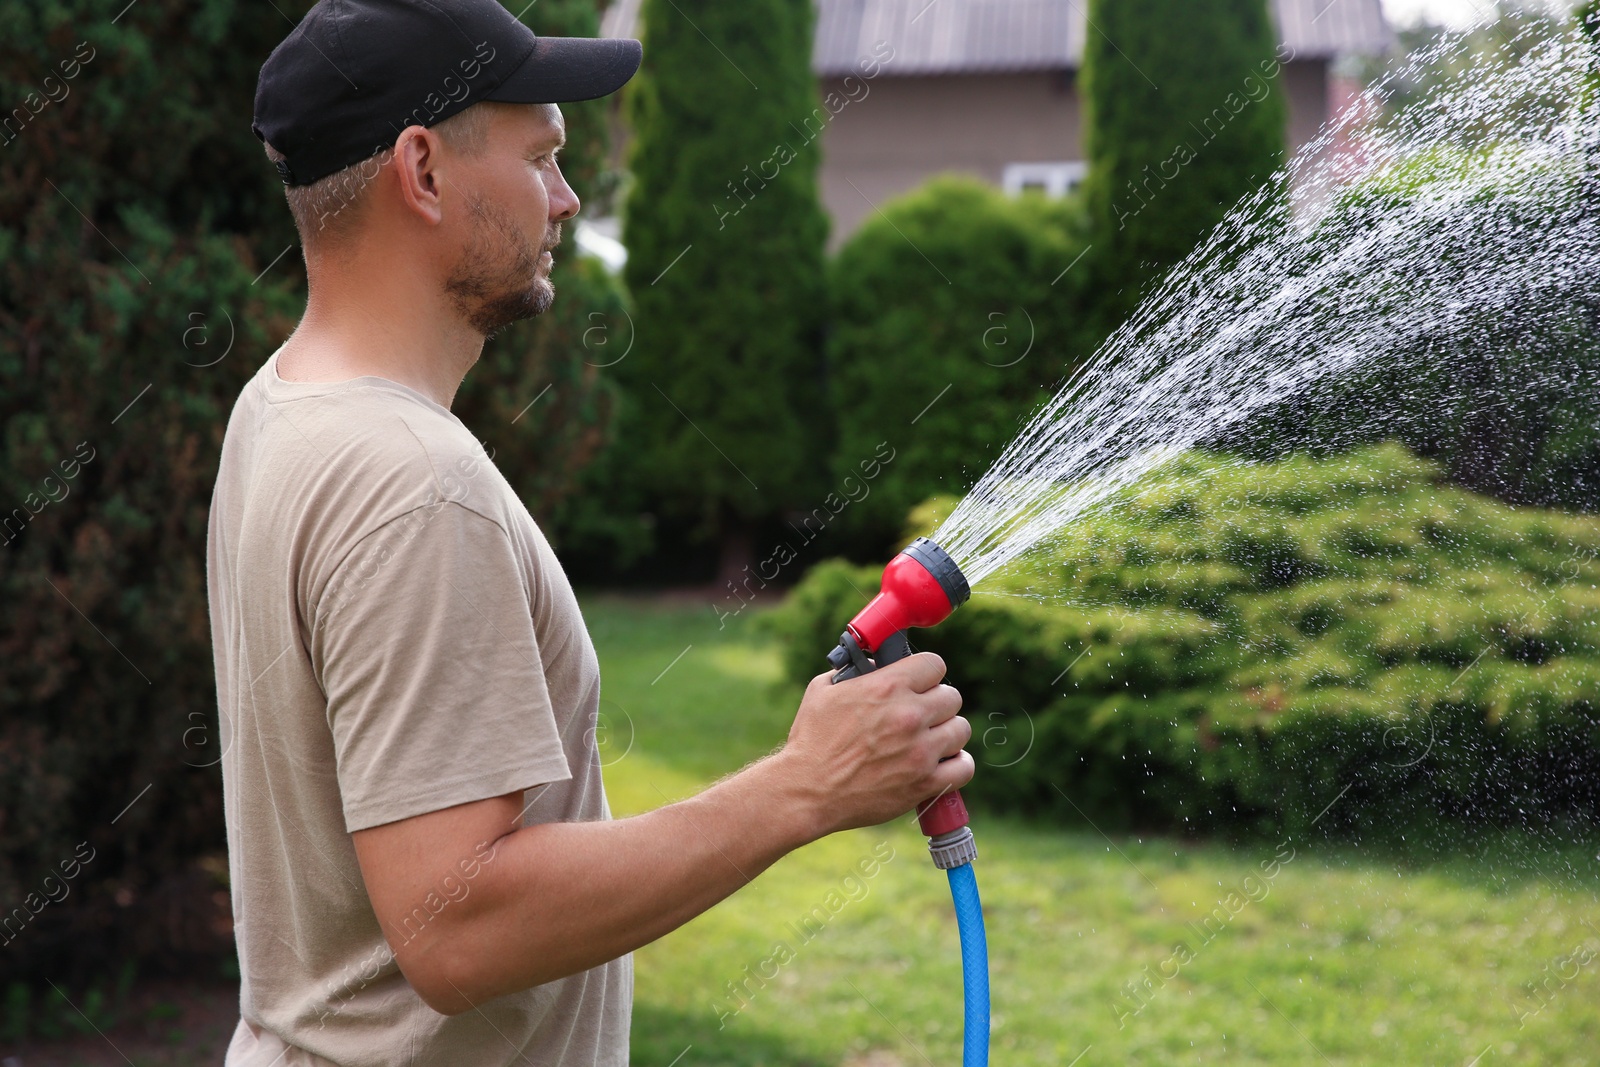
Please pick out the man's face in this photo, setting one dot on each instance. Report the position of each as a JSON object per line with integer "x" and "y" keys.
{"x": 516, "y": 203}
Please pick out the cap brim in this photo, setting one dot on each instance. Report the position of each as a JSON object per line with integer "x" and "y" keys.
{"x": 563, "y": 70}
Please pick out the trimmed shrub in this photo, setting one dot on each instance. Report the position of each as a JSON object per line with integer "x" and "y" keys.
{"x": 1236, "y": 646}
{"x": 953, "y": 321}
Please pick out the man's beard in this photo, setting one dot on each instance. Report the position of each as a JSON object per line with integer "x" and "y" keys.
{"x": 496, "y": 282}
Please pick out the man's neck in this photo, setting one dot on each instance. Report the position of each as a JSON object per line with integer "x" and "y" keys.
{"x": 372, "y": 322}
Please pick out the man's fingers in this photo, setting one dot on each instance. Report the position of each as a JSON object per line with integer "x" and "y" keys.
{"x": 956, "y": 771}
{"x": 922, "y": 670}
{"x": 953, "y": 735}
{"x": 939, "y": 704}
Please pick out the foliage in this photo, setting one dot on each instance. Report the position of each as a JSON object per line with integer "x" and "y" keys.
{"x": 1167, "y": 160}
{"x": 145, "y": 273}
{"x": 55, "y": 1015}
{"x": 1235, "y": 644}
{"x": 725, "y": 424}
{"x": 952, "y": 316}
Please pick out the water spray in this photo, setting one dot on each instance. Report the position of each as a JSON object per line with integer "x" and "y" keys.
{"x": 921, "y": 587}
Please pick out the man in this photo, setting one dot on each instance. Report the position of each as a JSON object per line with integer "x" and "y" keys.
{"x": 424, "y": 867}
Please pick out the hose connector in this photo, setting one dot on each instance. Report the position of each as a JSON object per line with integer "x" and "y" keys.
{"x": 954, "y": 849}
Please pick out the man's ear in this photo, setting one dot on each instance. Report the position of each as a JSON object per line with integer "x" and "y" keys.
{"x": 419, "y": 159}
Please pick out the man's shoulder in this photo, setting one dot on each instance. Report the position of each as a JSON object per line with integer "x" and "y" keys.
{"x": 369, "y": 450}
{"x": 392, "y": 429}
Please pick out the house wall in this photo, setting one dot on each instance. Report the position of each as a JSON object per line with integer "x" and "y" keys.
{"x": 1306, "y": 83}
{"x": 904, "y": 130}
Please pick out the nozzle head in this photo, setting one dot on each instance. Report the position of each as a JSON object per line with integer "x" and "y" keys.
{"x": 943, "y": 568}
{"x": 921, "y": 587}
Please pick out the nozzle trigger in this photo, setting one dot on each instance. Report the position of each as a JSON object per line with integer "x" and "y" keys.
{"x": 852, "y": 661}
{"x": 849, "y": 659}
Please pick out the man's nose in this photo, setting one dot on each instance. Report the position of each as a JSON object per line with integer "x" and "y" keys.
{"x": 563, "y": 201}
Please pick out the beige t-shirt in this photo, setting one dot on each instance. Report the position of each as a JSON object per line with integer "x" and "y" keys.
{"x": 392, "y": 636}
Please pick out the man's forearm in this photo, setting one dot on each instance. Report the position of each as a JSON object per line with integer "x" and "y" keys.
{"x": 559, "y": 898}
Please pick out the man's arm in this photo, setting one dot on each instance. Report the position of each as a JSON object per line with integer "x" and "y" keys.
{"x": 554, "y": 899}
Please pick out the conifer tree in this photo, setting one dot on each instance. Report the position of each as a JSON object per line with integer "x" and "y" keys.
{"x": 725, "y": 424}
{"x": 1183, "y": 115}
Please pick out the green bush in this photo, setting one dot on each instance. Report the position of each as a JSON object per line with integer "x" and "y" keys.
{"x": 1235, "y": 644}
{"x": 952, "y": 317}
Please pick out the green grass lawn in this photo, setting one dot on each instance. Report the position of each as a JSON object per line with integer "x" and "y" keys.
{"x": 1342, "y": 955}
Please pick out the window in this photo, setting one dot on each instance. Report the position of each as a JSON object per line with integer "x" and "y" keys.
{"x": 1051, "y": 179}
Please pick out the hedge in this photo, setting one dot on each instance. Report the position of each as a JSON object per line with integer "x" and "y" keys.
{"x": 1237, "y": 646}
{"x": 954, "y": 317}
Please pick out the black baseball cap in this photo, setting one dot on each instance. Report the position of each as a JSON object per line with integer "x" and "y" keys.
{"x": 355, "y": 73}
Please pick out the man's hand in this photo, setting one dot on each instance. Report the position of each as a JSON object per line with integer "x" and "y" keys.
{"x": 870, "y": 748}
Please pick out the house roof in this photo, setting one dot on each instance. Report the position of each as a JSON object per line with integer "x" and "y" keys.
{"x": 972, "y": 36}
{"x": 944, "y": 36}
{"x": 1322, "y": 29}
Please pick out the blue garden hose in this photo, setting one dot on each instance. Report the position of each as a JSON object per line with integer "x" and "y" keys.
{"x": 921, "y": 587}
{"x": 974, "y": 965}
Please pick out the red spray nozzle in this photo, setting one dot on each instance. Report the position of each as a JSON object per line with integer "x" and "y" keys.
{"x": 910, "y": 596}
{"x": 921, "y": 587}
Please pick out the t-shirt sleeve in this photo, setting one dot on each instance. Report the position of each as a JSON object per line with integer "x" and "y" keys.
{"x": 424, "y": 644}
